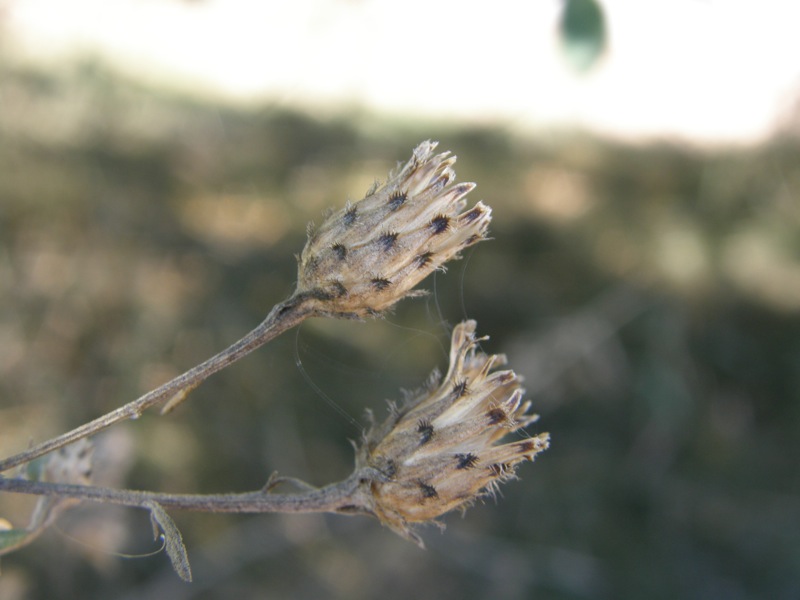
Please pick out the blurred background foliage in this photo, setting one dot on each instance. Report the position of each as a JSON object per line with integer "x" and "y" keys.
{"x": 649, "y": 293}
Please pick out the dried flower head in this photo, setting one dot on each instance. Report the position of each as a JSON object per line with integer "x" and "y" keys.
{"x": 438, "y": 452}
{"x": 371, "y": 254}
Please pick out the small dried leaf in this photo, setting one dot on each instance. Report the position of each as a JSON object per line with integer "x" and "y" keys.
{"x": 178, "y": 399}
{"x": 173, "y": 541}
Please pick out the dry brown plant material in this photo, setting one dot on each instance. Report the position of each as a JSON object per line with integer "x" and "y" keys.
{"x": 443, "y": 448}
{"x": 370, "y": 254}
{"x": 439, "y": 451}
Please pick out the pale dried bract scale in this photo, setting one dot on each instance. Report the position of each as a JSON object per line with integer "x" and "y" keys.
{"x": 372, "y": 253}
{"x": 439, "y": 451}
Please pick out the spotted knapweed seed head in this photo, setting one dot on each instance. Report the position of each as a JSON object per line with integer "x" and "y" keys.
{"x": 372, "y": 253}
{"x": 440, "y": 450}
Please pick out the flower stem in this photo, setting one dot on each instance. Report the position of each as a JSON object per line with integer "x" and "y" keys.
{"x": 282, "y": 317}
{"x": 348, "y": 496}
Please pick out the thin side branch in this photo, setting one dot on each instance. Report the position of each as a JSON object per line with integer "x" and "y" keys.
{"x": 283, "y": 316}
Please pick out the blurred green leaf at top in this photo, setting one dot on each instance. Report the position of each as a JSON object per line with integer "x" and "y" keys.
{"x": 583, "y": 33}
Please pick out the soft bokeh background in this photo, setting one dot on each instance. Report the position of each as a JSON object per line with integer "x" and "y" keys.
{"x": 159, "y": 162}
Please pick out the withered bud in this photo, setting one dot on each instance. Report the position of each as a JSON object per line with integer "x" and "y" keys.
{"x": 372, "y": 253}
{"x": 439, "y": 451}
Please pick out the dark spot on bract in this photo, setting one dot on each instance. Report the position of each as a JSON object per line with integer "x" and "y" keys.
{"x": 500, "y": 469}
{"x": 460, "y": 388}
{"x": 423, "y": 260}
{"x": 472, "y": 215}
{"x": 340, "y": 251}
{"x": 466, "y": 461}
{"x": 425, "y": 429}
{"x": 526, "y": 447}
{"x": 440, "y": 224}
{"x": 338, "y": 289}
{"x": 496, "y": 415}
{"x": 397, "y": 200}
{"x": 387, "y": 241}
{"x": 506, "y": 377}
{"x": 473, "y": 239}
{"x": 443, "y": 179}
{"x": 311, "y": 264}
{"x": 380, "y": 284}
{"x": 428, "y": 491}
{"x": 350, "y": 216}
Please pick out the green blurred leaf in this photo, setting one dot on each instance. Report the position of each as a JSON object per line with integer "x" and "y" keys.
{"x": 583, "y": 33}
{"x": 11, "y": 539}
{"x": 35, "y": 469}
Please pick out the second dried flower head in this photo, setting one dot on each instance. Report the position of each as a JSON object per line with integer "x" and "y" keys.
{"x": 372, "y": 253}
{"x": 440, "y": 450}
